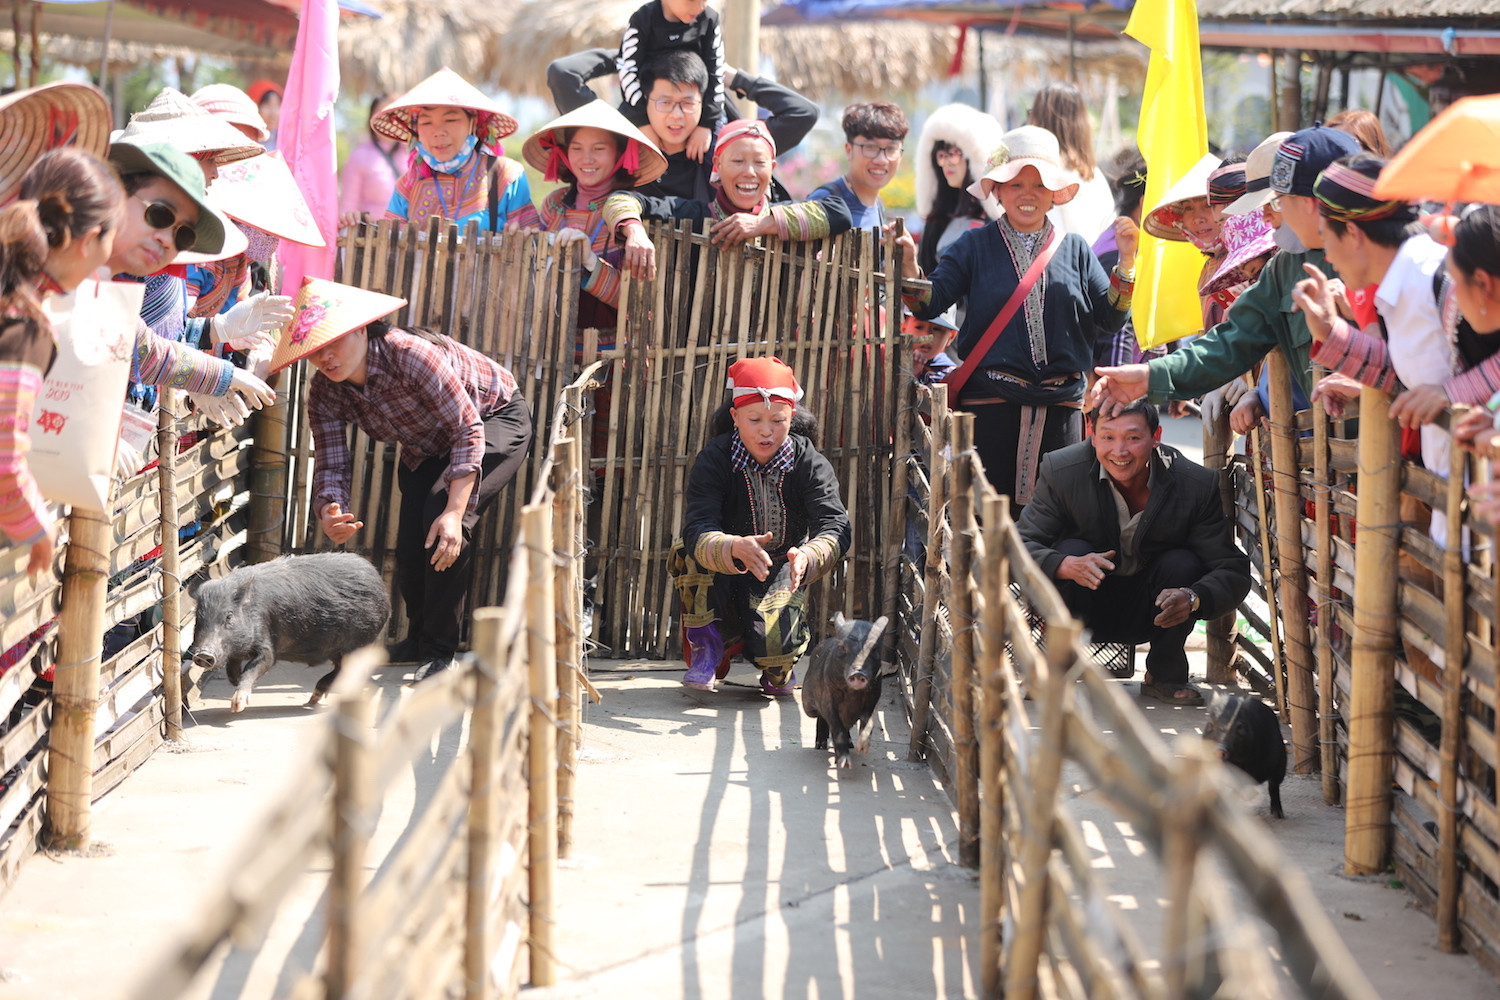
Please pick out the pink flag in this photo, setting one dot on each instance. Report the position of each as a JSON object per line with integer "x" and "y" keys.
{"x": 306, "y": 138}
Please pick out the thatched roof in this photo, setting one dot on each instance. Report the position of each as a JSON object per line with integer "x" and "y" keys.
{"x": 415, "y": 38}
{"x": 1385, "y": 10}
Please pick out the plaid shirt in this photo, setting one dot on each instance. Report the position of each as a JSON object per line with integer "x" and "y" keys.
{"x": 431, "y": 398}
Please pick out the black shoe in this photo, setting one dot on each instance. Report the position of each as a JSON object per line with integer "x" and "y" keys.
{"x": 408, "y": 650}
{"x": 432, "y": 666}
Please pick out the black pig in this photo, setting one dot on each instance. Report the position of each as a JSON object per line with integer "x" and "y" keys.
{"x": 842, "y": 686}
{"x": 1249, "y": 737}
{"x": 304, "y": 609}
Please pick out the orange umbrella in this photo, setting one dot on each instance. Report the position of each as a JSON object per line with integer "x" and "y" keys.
{"x": 1455, "y": 157}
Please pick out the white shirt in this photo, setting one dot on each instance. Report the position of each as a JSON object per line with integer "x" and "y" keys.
{"x": 1090, "y": 212}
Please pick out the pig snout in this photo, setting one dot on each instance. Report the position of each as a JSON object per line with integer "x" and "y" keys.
{"x": 858, "y": 682}
{"x": 205, "y": 659}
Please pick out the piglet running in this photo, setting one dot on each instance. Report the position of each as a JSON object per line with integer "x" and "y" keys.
{"x": 842, "y": 686}
{"x": 305, "y": 609}
{"x": 1249, "y": 737}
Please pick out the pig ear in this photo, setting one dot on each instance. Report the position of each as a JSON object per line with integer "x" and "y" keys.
{"x": 839, "y": 621}
{"x": 1217, "y": 702}
{"x": 193, "y": 586}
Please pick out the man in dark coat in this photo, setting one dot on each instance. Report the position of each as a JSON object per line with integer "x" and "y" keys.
{"x": 1134, "y": 536}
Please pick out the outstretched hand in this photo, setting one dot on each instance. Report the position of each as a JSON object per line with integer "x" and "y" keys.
{"x": 1314, "y": 296}
{"x": 338, "y": 525}
{"x": 750, "y": 552}
{"x": 1117, "y": 386}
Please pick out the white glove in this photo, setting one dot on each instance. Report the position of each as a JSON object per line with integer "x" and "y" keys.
{"x": 128, "y": 460}
{"x": 570, "y": 235}
{"x": 228, "y": 411}
{"x": 256, "y": 392}
{"x": 256, "y": 320}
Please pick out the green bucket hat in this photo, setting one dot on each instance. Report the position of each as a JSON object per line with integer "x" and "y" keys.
{"x": 168, "y": 161}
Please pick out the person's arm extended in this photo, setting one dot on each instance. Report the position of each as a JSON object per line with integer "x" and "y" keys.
{"x": 792, "y": 115}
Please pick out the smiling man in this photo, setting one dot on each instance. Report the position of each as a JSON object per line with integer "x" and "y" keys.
{"x": 874, "y": 137}
{"x": 1137, "y": 542}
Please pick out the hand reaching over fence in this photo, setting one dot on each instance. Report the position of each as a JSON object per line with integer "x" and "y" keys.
{"x": 254, "y": 322}
{"x": 227, "y": 411}
{"x": 1476, "y": 431}
{"x": 1336, "y": 391}
{"x": 640, "y": 253}
{"x": 1313, "y": 295}
{"x": 1419, "y": 406}
{"x": 1117, "y": 386}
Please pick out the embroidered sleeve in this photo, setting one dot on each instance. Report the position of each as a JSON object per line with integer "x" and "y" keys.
{"x": 166, "y": 363}
{"x": 1356, "y": 354}
{"x": 604, "y": 283}
{"x": 1121, "y": 290}
{"x": 822, "y": 553}
{"x": 715, "y": 551}
{"x": 803, "y": 220}
{"x": 518, "y": 210}
{"x": 1475, "y": 386}
{"x": 22, "y": 509}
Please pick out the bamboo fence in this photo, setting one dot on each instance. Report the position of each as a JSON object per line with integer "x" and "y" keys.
{"x": 1048, "y": 924}
{"x": 459, "y": 903}
{"x": 93, "y": 681}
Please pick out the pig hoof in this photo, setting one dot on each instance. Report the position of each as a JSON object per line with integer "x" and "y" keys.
{"x": 844, "y": 761}
{"x": 862, "y": 745}
{"x": 239, "y": 702}
{"x": 315, "y": 700}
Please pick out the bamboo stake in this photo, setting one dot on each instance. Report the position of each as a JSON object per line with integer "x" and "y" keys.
{"x": 961, "y": 686}
{"x": 1367, "y": 827}
{"x": 484, "y": 805}
{"x": 1046, "y": 775}
{"x": 1452, "y": 749}
{"x": 1179, "y": 851}
{"x": 267, "y": 482}
{"x": 1268, "y": 573}
{"x": 536, "y": 520}
{"x": 566, "y": 596}
{"x": 1323, "y": 512}
{"x": 991, "y": 753}
{"x": 1301, "y": 695}
{"x": 904, "y": 409}
{"x": 171, "y": 570}
{"x": 354, "y": 806}
{"x": 75, "y": 691}
{"x": 932, "y": 573}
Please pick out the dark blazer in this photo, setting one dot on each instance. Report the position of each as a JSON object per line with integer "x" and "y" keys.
{"x": 1183, "y": 512}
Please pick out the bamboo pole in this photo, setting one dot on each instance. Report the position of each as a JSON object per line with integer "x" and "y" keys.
{"x": 268, "y": 482}
{"x": 354, "y": 804}
{"x": 905, "y": 400}
{"x": 991, "y": 750}
{"x": 937, "y": 535}
{"x": 171, "y": 569}
{"x": 1220, "y": 632}
{"x": 484, "y": 811}
{"x": 1046, "y": 776}
{"x": 536, "y": 524}
{"x": 1367, "y": 835}
{"x": 567, "y": 599}
{"x": 1267, "y": 563}
{"x": 1181, "y": 837}
{"x": 1301, "y": 695}
{"x": 75, "y": 691}
{"x": 965, "y": 764}
{"x": 1323, "y": 512}
{"x": 1452, "y": 750}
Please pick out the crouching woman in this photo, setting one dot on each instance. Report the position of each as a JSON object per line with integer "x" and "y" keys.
{"x": 464, "y": 431}
{"x": 764, "y": 520}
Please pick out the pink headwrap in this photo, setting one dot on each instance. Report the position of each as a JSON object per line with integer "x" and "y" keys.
{"x": 740, "y": 128}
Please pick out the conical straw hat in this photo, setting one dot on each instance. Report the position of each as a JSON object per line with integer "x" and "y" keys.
{"x": 324, "y": 312}
{"x": 226, "y": 101}
{"x": 596, "y": 114}
{"x": 1159, "y": 222}
{"x": 173, "y": 117}
{"x": 444, "y": 88}
{"x": 46, "y": 117}
{"x": 263, "y": 193}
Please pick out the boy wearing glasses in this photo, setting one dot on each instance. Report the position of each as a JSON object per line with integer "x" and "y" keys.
{"x": 873, "y": 134}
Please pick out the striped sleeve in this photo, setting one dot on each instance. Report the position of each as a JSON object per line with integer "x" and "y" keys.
{"x": 22, "y": 509}
{"x": 1358, "y": 355}
{"x": 628, "y": 64}
{"x": 1475, "y": 386}
{"x": 604, "y": 283}
{"x": 1121, "y": 290}
{"x": 803, "y": 220}
{"x": 715, "y": 551}
{"x": 166, "y": 363}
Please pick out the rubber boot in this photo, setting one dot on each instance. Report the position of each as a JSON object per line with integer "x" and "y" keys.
{"x": 707, "y": 649}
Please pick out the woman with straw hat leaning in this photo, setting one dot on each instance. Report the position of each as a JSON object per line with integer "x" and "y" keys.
{"x": 456, "y": 170}
{"x": 464, "y": 431}
{"x": 1036, "y": 299}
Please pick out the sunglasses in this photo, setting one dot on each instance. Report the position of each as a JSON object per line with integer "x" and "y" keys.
{"x": 161, "y": 215}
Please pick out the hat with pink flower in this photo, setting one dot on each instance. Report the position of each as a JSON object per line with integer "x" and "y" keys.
{"x": 324, "y": 312}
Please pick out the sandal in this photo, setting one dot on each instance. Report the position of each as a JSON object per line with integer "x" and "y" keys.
{"x": 1171, "y": 692}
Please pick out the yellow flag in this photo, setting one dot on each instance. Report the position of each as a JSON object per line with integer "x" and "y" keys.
{"x": 1173, "y": 135}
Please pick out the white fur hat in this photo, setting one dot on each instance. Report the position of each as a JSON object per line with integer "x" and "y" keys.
{"x": 968, "y": 128}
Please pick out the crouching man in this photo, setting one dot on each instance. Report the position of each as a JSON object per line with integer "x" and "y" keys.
{"x": 1135, "y": 538}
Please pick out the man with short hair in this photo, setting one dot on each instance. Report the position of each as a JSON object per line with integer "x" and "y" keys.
{"x": 1135, "y": 537}
{"x": 873, "y": 137}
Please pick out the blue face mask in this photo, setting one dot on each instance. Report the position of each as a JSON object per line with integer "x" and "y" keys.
{"x": 450, "y": 166}
{"x": 1288, "y": 241}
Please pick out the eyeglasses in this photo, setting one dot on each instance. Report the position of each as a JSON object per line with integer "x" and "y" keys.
{"x": 665, "y": 105}
{"x": 942, "y": 156}
{"x": 1275, "y": 203}
{"x": 875, "y": 151}
{"x": 161, "y": 215}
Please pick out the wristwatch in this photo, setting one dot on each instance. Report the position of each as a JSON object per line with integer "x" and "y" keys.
{"x": 1194, "y": 601}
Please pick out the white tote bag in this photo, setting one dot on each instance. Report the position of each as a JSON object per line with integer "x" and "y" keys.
{"x": 76, "y": 423}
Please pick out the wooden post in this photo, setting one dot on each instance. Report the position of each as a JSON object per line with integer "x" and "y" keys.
{"x": 536, "y": 524}
{"x": 567, "y": 597}
{"x": 1267, "y": 564}
{"x": 1301, "y": 694}
{"x": 905, "y": 412}
{"x": 1323, "y": 511}
{"x": 1450, "y": 882}
{"x": 937, "y": 539}
{"x": 263, "y": 538}
{"x": 1220, "y": 632}
{"x": 1030, "y": 921}
{"x": 354, "y": 806}
{"x": 484, "y": 751}
{"x": 1367, "y": 826}
{"x": 742, "y": 42}
{"x": 75, "y": 689}
{"x": 991, "y": 747}
{"x": 961, "y": 613}
{"x": 1180, "y": 839}
{"x": 171, "y": 569}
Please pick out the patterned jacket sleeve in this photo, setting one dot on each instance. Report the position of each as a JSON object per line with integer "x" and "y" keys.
{"x": 515, "y": 201}
{"x": 1356, "y": 354}
{"x": 166, "y": 363}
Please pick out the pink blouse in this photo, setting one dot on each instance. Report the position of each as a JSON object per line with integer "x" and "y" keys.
{"x": 369, "y": 179}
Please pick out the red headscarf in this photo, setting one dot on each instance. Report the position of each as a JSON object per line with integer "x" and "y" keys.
{"x": 763, "y": 380}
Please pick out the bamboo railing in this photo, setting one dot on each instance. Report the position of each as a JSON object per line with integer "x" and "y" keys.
{"x": 460, "y": 899}
{"x": 1048, "y": 926}
{"x": 93, "y": 681}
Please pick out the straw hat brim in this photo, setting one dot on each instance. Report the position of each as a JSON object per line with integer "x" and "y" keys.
{"x": 600, "y": 115}
{"x": 44, "y": 118}
{"x": 443, "y": 89}
{"x": 235, "y": 243}
{"x": 1062, "y": 182}
{"x": 194, "y": 134}
{"x": 263, "y": 193}
{"x": 1193, "y": 184}
{"x": 340, "y": 310}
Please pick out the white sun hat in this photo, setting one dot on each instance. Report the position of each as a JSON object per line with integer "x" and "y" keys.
{"x": 1029, "y": 146}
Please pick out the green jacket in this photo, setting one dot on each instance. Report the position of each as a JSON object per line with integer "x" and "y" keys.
{"x": 1260, "y": 320}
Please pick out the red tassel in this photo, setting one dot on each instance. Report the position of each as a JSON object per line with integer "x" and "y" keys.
{"x": 957, "y": 65}
{"x": 556, "y": 160}
{"x": 631, "y": 159}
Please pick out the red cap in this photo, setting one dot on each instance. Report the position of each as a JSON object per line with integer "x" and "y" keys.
{"x": 763, "y": 380}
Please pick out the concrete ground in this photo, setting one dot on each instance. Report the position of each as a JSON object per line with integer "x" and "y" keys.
{"x": 716, "y": 855}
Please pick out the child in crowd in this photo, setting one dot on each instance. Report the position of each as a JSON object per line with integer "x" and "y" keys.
{"x": 663, "y": 26}
{"x": 764, "y": 519}
{"x": 930, "y": 341}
